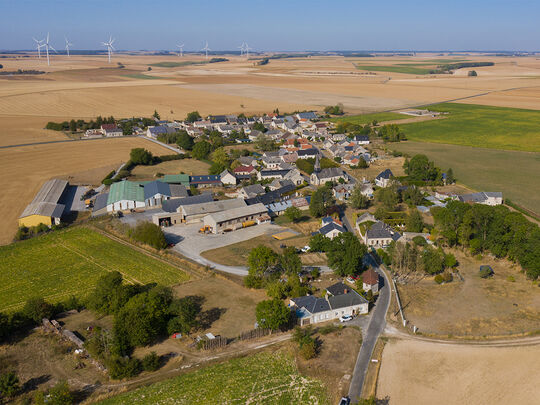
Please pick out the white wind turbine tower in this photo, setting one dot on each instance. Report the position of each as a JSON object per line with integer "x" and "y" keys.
{"x": 181, "y": 52}
{"x": 47, "y": 47}
{"x": 206, "y": 49}
{"x": 241, "y": 47}
{"x": 39, "y": 45}
{"x": 109, "y": 46}
{"x": 68, "y": 44}
{"x": 246, "y": 50}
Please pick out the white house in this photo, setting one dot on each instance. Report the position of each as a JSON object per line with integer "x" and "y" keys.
{"x": 483, "y": 197}
{"x": 227, "y": 178}
{"x": 370, "y": 281}
{"x": 384, "y": 178}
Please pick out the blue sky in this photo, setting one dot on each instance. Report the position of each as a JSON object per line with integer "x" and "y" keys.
{"x": 276, "y": 25}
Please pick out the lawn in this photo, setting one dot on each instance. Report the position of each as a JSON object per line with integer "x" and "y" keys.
{"x": 363, "y": 119}
{"x": 269, "y": 378}
{"x": 516, "y": 174}
{"x": 68, "y": 262}
{"x": 188, "y": 166}
{"x": 480, "y": 126}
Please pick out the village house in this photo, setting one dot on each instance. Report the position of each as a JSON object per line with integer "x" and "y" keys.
{"x": 251, "y": 191}
{"x": 483, "y": 197}
{"x": 272, "y": 174}
{"x": 208, "y": 180}
{"x": 343, "y": 192}
{"x": 340, "y": 300}
{"x": 384, "y": 178}
{"x": 111, "y": 130}
{"x": 330, "y": 228}
{"x": 245, "y": 170}
{"x": 227, "y": 178}
{"x": 378, "y": 234}
{"x": 370, "y": 281}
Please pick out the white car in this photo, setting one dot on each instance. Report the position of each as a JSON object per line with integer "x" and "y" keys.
{"x": 345, "y": 318}
{"x": 305, "y": 249}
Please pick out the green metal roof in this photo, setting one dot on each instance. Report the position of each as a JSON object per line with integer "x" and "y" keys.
{"x": 125, "y": 190}
{"x": 176, "y": 179}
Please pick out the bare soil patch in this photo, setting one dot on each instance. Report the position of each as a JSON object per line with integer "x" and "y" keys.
{"x": 415, "y": 372}
{"x": 505, "y": 304}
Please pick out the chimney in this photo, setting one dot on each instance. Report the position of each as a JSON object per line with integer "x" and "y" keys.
{"x": 346, "y": 291}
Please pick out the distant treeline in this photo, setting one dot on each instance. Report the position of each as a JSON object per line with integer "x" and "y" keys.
{"x": 460, "y": 65}
{"x": 358, "y": 55}
{"x": 21, "y": 72}
{"x": 83, "y": 125}
{"x": 215, "y": 60}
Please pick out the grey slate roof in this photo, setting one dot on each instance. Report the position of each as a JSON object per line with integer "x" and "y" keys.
{"x": 253, "y": 190}
{"x": 156, "y": 187}
{"x": 100, "y": 202}
{"x": 329, "y": 173}
{"x": 172, "y": 205}
{"x": 212, "y": 206}
{"x": 330, "y": 227}
{"x": 386, "y": 174}
{"x": 346, "y": 300}
{"x": 380, "y": 230}
{"x": 312, "y": 304}
{"x": 338, "y": 288}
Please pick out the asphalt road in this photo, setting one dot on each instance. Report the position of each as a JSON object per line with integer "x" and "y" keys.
{"x": 374, "y": 329}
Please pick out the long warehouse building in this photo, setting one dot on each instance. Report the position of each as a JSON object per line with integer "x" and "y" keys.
{"x": 46, "y": 207}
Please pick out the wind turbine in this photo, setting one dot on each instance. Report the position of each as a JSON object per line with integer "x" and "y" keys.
{"x": 68, "y": 44}
{"x": 241, "y": 47}
{"x": 181, "y": 47}
{"x": 109, "y": 46}
{"x": 246, "y": 50}
{"x": 39, "y": 44}
{"x": 206, "y": 49}
{"x": 47, "y": 47}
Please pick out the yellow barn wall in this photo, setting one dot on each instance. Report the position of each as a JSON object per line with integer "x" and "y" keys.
{"x": 33, "y": 220}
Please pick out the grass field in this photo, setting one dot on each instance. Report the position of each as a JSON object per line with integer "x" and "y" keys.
{"x": 480, "y": 126}
{"x": 68, "y": 262}
{"x": 176, "y": 64}
{"x": 269, "y": 378}
{"x": 141, "y": 76}
{"x": 363, "y": 119}
{"x": 516, "y": 174}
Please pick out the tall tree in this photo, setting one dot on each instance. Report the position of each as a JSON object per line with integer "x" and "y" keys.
{"x": 415, "y": 222}
{"x": 345, "y": 254}
{"x": 272, "y": 314}
{"x": 201, "y": 150}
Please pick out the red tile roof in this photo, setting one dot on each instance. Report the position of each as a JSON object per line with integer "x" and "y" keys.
{"x": 370, "y": 277}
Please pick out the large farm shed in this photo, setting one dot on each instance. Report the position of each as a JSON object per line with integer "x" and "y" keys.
{"x": 46, "y": 207}
{"x": 125, "y": 195}
{"x": 236, "y": 218}
{"x": 196, "y": 212}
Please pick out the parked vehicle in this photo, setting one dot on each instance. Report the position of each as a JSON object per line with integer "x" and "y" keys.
{"x": 345, "y": 318}
{"x": 345, "y": 401}
{"x": 305, "y": 249}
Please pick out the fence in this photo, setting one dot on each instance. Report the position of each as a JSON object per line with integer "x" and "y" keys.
{"x": 211, "y": 344}
{"x": 255, "y": 333}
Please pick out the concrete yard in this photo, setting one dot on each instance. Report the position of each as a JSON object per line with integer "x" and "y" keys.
{"x": 190, "y": 243}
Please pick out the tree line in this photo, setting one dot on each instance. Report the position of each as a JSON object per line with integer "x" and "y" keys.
{"x": 495, "y": 229}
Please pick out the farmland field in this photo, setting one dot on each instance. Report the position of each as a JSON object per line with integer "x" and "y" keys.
{"x": 269, "y": 378}
{"x": 68, "y": 262}
{"x": 486, "y": 169}
{"x": 480, "y": 126}
{"x": 408, "y": 69}
{"x": 24, "y": 170}
{"x": 422, "y": 373}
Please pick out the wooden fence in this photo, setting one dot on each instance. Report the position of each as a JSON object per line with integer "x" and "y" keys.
{"x": 255, "y": 333}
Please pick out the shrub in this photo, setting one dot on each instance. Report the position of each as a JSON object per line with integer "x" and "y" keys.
{"x": 150, "y": 362}
{"x": 419, "y": 241}
{"x": 485, "y": 271}
{"x": 9, "y": 385}
{"x": 309, "y": 349}
{"x": 439, "y": 279}
{"x": 325, "y": 330}
{"x": 447, "y": 277}
{"x": 120, "y": 367}
{"x": 37, "y": 308}
{"x": 150, "y": 234}
{"x": 511, "y": 279}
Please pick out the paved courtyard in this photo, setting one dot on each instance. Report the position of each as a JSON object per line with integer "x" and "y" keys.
{"x": 190, "y": 243}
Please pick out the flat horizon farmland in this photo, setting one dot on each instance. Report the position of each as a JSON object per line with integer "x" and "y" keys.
{"x": 515, "y": 173}
{"x": 480, "y": 126}
{"x": 69, "y": 262}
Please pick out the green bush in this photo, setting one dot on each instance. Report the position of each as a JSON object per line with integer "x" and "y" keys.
{"x": 439, "y": 279}
{"x": 485, "y": 271}
{"x": 150, "y": 362}
{"x": 120, "y": 367}
{"x": 150, "y": 234}
{"x": 419, "y": 240}
{"x": 37, "y": 308}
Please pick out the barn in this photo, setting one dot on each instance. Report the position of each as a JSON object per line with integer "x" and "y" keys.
{"x": 46, "y": 207}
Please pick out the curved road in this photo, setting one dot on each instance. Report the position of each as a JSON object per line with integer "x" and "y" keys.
{"x": 375, "y": 328}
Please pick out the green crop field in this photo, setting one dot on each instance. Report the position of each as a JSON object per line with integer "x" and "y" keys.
{"x": 363, "y": 119}
{"x": 516, "y": 174}
{"x": 480, "y": 126}
{"x": 263, "y": 378}
{"x": 142, "y": 76}
{"x": 68, "y": 262}
{"x": 402, "y": 68}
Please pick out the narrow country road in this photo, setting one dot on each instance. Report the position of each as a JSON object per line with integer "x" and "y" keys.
{"x": 374, "y": 329}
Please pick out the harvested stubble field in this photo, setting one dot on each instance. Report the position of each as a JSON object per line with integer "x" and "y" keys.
{"x": 25, "y": 169}
{"x": 486, "y": 169}
{"x": 480, "y": 126}
{"x": 419, "y": 372}
{"x": 269, "y": 378}
{"x": 68, "y": 262}
{"x": 505, "y": 304}
{"x": 188, "y": 166}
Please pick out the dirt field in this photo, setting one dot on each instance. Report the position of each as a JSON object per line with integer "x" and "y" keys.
{"x": 415, "y": 373}
{"x": 188, "y": 166}
{"x": 25, "y": 168}
{"x": 475, "y": 307}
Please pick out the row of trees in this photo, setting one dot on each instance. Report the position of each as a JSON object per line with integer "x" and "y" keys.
{"x": 498, "y": 230}
{"x": 391, "y": 133}
{"x": 414, "y": 257}
{"x": 420, "y": 169}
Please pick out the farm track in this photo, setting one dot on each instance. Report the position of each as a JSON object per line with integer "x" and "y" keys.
{"x": 391, "y": 331}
